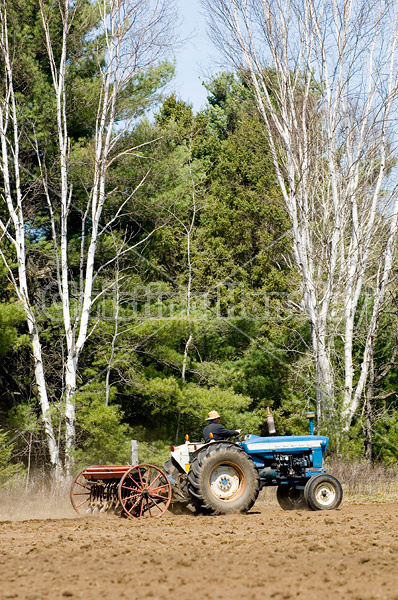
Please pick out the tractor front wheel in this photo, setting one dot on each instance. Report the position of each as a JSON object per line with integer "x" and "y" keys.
{"x": 223, "y": 479}
{"x": 291, "y": 497}
{"x": 323, "y": 492}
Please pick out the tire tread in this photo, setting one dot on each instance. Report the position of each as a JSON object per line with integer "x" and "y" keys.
{"x": 194, "y": 478}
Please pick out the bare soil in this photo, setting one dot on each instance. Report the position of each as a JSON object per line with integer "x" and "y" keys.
{"x": 350, "y": 554}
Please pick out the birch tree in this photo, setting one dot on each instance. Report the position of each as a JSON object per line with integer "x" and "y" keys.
{"x": 324, "y": 79}
{"x": 13, "y": 228}
{"x": 189, "y": 232}
{"x": 130, "y": 37}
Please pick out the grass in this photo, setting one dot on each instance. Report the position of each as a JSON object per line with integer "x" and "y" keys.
{"x": 365, "y": 482}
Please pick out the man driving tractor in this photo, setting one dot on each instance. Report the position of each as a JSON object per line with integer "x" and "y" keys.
{"x": 218, "y": 431}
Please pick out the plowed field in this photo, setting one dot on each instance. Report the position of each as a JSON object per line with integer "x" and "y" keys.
{"x": 351, "y": 553}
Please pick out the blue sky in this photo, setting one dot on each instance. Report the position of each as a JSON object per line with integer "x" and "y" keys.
{"x": 197, "y": 58}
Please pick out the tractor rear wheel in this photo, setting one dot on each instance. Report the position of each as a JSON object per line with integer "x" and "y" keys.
{"x": 223, "y": 479}
{"x": 323, "y": 492}
{"x": 291, "y": 497}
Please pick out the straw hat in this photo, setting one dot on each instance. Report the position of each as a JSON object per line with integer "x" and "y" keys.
{"x": 213, "y": 414}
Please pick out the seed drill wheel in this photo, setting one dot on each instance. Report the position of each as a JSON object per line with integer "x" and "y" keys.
{"x": 80, "y": 493}
{"x": 144, "y": 491}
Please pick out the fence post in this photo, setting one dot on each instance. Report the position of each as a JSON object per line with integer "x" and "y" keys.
{"x": 134, "y": 452}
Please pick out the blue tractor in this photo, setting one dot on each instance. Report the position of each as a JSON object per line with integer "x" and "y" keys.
{"x": 223, "y": 477}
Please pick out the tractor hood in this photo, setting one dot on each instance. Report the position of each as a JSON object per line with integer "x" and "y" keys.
{"x": 265, "y": 448}
{"x": 255, "y": 443}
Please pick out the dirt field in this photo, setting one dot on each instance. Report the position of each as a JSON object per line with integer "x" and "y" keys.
{"x": 351, "y": 553}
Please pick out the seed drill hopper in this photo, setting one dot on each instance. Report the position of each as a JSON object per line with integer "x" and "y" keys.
{"x": 131, "y": 491}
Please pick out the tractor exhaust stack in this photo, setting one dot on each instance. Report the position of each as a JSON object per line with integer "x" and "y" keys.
{"x": 270, "y": 422}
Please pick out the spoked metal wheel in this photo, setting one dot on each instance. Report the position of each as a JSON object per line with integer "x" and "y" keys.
{"x": 144, "y": 491}
{"x": 80, "y": 493}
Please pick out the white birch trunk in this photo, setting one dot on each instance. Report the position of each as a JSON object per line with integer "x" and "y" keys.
{"x": 9, "y": 135}
{"x": 58, "y": 75}
{"x": 351, "y": 404}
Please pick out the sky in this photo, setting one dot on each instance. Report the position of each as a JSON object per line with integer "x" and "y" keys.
{"x": 197, "y": 58}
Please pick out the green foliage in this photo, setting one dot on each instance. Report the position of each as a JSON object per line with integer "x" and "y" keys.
{"x": 12, "y": 317}
{"x": 153, "y": 453}
{"x": 210, "y": 171}
{"x": 144, "y": 90}
{"x": 385, "y": 439}
{"x": 192, "y": 402}
{"x": 8, "y": 469}
{"x": 102, "y": 436}
{"x": 22, "y": 418}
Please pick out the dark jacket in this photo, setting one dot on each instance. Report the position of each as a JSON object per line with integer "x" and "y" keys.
{"x": 219, "y": 432}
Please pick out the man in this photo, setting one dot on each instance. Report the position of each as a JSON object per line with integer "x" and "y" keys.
{"x": 216, "y": 429}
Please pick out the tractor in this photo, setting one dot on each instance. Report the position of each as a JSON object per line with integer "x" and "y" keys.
{"x": 223, "y": 477}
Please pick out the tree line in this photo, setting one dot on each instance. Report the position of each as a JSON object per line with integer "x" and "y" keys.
{"x": 158, "y": 263}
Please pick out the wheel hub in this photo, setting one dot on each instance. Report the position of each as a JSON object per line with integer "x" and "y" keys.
{"x": 325, "y": 494}
{"x": 225, "y": 482}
